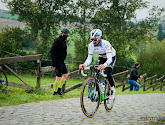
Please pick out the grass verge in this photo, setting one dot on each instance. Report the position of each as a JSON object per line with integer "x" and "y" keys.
{"x": 17, "y": 96}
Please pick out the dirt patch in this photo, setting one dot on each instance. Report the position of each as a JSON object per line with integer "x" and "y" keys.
{"x": 11, "y": 23}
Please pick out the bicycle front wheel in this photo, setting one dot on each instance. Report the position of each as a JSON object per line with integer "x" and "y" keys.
{"x": 90, "y": 97}
{"x": 3, "y": 82}
{"x": 109, "y": 103}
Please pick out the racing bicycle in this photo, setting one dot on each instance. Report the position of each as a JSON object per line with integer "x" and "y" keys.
{"x": 90, "y": 98}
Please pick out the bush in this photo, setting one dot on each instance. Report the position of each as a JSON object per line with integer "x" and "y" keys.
{"x": 152, "y": 60}
{"x": 12, "y": 40}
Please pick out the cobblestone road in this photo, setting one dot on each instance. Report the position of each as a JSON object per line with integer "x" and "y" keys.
{"x": 128, "y": 109}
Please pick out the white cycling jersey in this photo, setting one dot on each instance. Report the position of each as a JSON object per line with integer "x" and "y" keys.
{"x": 104, "y": 49}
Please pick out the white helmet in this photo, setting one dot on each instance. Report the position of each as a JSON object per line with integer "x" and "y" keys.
{"x": 95, "y": 34}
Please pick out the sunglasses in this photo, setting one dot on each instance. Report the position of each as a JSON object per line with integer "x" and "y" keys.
{"x": 94, "y": 39}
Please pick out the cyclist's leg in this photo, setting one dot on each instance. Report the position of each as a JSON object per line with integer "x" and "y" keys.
{"x": 108, "y": 71}
{"x": 99, "y": 61}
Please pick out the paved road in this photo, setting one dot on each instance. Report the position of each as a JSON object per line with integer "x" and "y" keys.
{"x": 128, "y": 109}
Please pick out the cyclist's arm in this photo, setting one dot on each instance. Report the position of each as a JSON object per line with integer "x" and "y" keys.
{"x": 88, "y": 60}
{"x": 108, "y": 48}
{"x": 90, "y": 54}
{"x": 109, "y": 59}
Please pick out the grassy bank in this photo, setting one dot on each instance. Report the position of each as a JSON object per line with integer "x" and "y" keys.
{"x": 17, "y": 96}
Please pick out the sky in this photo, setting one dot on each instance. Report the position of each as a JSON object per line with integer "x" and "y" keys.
{"x": 140, "y": 13}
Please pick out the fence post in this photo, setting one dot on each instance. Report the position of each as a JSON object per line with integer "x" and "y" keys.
{"x": 125, "y": 79}
{"x": 38, "y": 72}
{"x": 144, "y": 84}
{"x": 161, "y": 86}
{"x": 63, "y": 87}
{"x": 154, "y": 84}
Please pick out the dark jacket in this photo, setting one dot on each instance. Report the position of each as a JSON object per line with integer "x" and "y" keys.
{"x": 58, "y": 50}
{"x": 134, "y": 74}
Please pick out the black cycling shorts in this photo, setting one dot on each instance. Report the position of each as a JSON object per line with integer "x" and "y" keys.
{"x": 102, "y": 60}
{"x": 108, "y": 69}
{"x": 60, "y": 68}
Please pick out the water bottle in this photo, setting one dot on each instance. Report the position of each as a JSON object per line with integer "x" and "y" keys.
{"x": 102, "y": 89}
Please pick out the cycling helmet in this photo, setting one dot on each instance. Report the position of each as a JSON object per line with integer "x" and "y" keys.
{"x": 95, "y": 34}
{"x": 65, "y": 30}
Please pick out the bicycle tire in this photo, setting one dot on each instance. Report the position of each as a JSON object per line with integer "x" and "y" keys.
{"x": 109, "y": 104}
{"x": 86, "y": 97}
{"x": 3, "y": 82}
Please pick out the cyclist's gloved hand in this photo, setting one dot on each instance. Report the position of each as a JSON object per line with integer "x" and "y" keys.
{"x": 81, "y": 66}
{"x": 101, "y": 67}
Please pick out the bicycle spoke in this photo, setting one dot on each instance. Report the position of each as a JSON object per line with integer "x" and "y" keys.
{"x": 3, "y": 82}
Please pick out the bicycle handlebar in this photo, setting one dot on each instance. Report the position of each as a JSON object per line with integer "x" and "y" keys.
{"x": 82, "y": 71}
{"x": 102, "y": 73}
{"x": 88, "y": 68}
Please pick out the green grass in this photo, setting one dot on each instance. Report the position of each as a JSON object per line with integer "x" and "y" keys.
{"x": 8, "y": 16}
{"x": 17, "y": 96}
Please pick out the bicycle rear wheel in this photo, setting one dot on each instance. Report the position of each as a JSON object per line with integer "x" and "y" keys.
{"x": 3, "y": 82}
{"x": 108, "y": 103}
{"x": 89, "y": 100}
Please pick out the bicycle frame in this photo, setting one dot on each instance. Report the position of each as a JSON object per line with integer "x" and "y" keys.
{"x": 96, "y": 74}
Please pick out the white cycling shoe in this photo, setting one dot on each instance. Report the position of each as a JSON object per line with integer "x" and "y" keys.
{"x": 112, "y": 96}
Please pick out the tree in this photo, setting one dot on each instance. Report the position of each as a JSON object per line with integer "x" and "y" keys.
{"x": 121, "y": 31}
{"x": 83, "y": 11}
{"x": 153, "y": 58}
{"x": 42, "y": 18}
{"x": 160, "y": 35}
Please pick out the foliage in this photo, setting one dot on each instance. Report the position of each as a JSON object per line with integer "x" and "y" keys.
{"x": 41, "y": 18}
{"x": 120, "y": 30}
{"x": 81, "y": 47}
{"x": 8, "y": 16}
{"x": 160, "y": 34}
{"x": 152, "y": 58}
{"x": 12, "y": 40}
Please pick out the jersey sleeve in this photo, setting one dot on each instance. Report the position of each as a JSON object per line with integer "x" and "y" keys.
{"x": 90, "y": 55}
{"x": 108, "y": 50}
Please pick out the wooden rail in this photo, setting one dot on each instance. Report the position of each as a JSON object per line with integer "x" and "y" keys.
{"x": 117, "y": 75}
{"x": 8, "y": 60}
{"x": 154, "y": 82}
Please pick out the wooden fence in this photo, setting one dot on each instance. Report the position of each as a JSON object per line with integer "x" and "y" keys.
{"x": 9, "y": 60}
{"x": 156, "y": 84}
{"x": 151, "y": 82}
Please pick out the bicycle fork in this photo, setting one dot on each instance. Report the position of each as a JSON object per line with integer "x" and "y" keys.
{"x": 94, "y": 95}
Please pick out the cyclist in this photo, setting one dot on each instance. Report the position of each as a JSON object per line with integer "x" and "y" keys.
{"x": 58, "y": 53}
{"x": 107, "y": 56}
